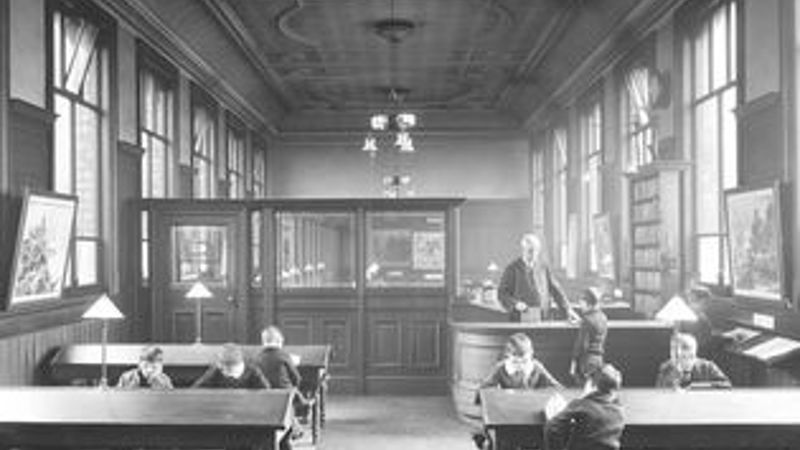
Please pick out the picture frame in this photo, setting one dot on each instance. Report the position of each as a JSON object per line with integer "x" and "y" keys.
{"x": 44, "y": 237}
{"x": 754, "y": 221}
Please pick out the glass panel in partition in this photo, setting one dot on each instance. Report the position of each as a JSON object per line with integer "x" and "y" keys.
{"x": 405, "y": 249}
{"x": 200, "y": 254}
{"x": 316, "y": 250}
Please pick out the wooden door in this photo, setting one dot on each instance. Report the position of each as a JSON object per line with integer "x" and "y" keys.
{"x": 203, "y": 244}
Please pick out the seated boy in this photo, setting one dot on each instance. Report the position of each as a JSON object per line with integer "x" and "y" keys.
{"x": 517, "y": 370}
{"x": 685, "y": 370}
{"x": 594, "y": 421}
{"x": 148, "y": 374}
{"x": 275, "y": 362}
{"x": 231, "y": 371}
{"x": 281, "y": 371}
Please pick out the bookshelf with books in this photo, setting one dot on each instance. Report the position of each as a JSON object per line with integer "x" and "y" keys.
{"x": 656, "y": 221}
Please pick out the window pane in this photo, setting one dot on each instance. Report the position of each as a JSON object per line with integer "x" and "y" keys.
{"x": 708, "y": 257}
{"x": 255, "y": 249}
{"x": 145, "y": 257}
{"x": 730, "y": 150}
{"x": 63, "y": 146}
{"x": 159, "y": 169}
{"x": 732, "y": 58}
{"x": 201, "y": 254}
{"x": 87, "y": 182}
{"x": 405, "y": 249}
{"x": 86, "y": 262}
{"x": 316, "y": 250}
{"x": 707, "y": 157}
{"x": 719, "y": 51}
{"x": 701, "y": 69}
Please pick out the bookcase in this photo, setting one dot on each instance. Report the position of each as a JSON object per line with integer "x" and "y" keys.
{"x": 656, "y": 234}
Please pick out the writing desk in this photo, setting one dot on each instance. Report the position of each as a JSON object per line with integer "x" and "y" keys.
{"x": 185, "y": 363}
{"x": 660, "y": 418}
{"x": 100, "y": 418}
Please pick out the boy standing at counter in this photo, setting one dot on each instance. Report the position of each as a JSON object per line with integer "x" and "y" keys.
{"x": 587, "y": 353}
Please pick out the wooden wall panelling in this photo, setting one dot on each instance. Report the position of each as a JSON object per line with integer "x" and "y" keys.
{"x": 23, "y": 355}
{"x": 760, "y": 121}
{"x": 385, "y": 342}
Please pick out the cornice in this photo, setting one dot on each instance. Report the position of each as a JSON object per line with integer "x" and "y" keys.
{"x": 157, "y": 34}
{"x": 637, "y": 24}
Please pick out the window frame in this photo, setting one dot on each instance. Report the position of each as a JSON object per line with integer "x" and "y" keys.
{"x": 701, "y": 22}
{"x": 105, "y": 110}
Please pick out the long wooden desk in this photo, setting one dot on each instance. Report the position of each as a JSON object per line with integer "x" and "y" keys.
{"x": 636, "y": 347}
{"x": 102, "y": 418}
{"x": 184, "y": 363}
{"x": 659, "y": 418}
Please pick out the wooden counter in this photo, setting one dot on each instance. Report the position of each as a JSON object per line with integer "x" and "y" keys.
{"x": 635, "y": 347}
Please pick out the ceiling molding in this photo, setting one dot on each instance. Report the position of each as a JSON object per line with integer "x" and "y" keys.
{"x": 283, "y": 24}
{"x": 637, "y": 24}
{"x": 150, "y": 28}
{"x": 233, "y": 25}
{"x": 546, "y": 40}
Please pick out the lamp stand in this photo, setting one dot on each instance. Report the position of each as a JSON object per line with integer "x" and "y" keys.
{"x": 198, "y": 322}
{"x": 103, "y": 356}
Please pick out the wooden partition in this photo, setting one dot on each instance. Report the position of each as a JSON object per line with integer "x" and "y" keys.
{"x": 372, "y": 278}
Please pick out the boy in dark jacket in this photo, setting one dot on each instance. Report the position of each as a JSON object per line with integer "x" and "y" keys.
{"x": 587, "y": 353}
{"x": 232, "y": 372}
{"x": 281, "y": 371}
{"x": 592, "y": 422}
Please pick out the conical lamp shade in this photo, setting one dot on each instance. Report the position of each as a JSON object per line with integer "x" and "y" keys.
{"x": 676, "y": 310}
{"x": 199, "y": 290}
{"x": 103, "y": 308}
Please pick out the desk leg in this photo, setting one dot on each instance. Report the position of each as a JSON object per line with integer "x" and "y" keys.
{"x": 315, "y": 420}
{"x": 323, "y": 393}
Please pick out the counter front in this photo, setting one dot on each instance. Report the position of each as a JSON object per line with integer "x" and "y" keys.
{"x": 635, "y": 347}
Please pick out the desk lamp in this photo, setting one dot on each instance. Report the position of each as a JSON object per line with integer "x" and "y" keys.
{"x": 104, "y": 309}
{"x": 676, "y": 311}
{"x": 198, "y": 292}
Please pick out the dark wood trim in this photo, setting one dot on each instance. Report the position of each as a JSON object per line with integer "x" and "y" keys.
{"x": 131, "y": 149}
{"x": 31, "y": 318}
{"x": 758, "y": 105}
{"x": 25, "y": 110}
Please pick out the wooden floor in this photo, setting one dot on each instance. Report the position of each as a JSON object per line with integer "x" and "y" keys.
{"x": 391, "y": 423}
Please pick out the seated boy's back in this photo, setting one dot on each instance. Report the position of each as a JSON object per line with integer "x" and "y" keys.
{"x": 278, "y": 367}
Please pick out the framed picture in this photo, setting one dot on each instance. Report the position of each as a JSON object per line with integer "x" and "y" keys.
{"x": 428, "y": 250}
{"x": 603, "y": 246}
{"x": 755, "y": 239}
{"x": 43, "y": 241}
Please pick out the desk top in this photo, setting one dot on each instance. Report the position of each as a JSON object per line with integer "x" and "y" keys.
{"x": 180, "y": 407}
{"x": 555, "y": 325}
{"x": 176, "y": 355}
{"x": 644, "y": 407}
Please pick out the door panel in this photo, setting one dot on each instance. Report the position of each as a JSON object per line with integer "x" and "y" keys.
{"x": 204, "y": 246}
{"x": 426, "y": 337}
{"x": 385, "y": 344}
{"x": 297, "y": 330}
{"x": 337, "y": 333}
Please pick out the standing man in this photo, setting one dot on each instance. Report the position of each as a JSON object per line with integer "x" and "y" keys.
{"x": 527, "y": 285}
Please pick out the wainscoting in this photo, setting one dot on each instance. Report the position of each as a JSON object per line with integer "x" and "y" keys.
{"x": 22, "y": 354}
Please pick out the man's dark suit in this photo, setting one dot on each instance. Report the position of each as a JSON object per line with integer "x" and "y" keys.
{"x": 519, "y": 283}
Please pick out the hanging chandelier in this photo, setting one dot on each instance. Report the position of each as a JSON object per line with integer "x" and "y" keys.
{"x": 393, "y": 127}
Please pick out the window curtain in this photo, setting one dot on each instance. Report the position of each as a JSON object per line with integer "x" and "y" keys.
{"x": 637, "y": 84}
